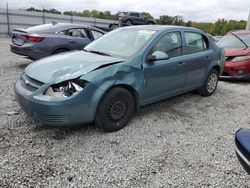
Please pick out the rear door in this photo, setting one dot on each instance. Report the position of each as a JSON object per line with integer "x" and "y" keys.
{"x": 77, "y": 38}
{"x": 142, "y": 19}
{"x": 197, "y": 56}
{"x": 135, "y": 18}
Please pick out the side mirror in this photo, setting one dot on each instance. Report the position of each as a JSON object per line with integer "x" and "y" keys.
{"x": 157, "y": 56}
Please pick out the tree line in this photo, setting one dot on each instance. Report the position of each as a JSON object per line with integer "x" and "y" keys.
{"x": 220, "y": 27}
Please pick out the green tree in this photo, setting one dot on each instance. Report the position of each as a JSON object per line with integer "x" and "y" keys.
{"x": 178, "y": 20}
{"x": 53, "y": 11}
{"x": 165, "y": 20}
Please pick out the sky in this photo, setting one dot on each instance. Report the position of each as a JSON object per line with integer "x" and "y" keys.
{"x": 195, "y": 10}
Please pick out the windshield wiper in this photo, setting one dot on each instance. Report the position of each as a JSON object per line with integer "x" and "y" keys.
{"x": 240, "y": 39}
{"x": 97, "y": 52}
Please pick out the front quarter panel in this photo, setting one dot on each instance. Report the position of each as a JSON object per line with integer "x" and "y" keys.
{"x": 126, "y": 73}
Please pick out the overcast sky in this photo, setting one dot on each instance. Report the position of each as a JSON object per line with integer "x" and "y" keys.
{"x": 195, "y": 10}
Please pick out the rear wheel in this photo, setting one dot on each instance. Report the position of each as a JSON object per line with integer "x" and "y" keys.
{"x": 115, "y": 110}
{"x": 210, "y": 85}
{"x": 129, "y": 22}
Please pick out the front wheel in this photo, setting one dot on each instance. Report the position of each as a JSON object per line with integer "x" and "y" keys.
{"x": 210, "y": 85}
{"x": 115, "y": 110}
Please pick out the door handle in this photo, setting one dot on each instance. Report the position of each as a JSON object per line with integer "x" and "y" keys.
{"x": 180, "y": 64}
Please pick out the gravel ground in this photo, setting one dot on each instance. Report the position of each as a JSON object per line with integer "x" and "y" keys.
{"x": 186, "y": 141}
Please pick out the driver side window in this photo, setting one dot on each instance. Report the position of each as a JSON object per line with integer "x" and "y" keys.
{"x": 170, "y": 44}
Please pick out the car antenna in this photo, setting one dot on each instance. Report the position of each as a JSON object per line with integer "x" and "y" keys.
{"x": 239, "y": 39}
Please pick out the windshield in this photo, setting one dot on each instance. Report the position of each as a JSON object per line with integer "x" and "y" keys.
{"x": 233, "y": 41}
{"x": 122, "y": 42}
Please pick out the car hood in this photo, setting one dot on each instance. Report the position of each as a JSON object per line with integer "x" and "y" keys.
{"x": 67, "y": 66}
{"x": 237, "y": 51}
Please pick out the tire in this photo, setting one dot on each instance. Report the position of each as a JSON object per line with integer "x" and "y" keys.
{"x": 129, "y": 22}
{"x": 115, "y": 110}
{"x": 60, "y": 50}
{"x": 210, "y": 84}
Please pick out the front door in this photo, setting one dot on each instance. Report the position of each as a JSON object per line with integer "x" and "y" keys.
{"x": 164, "y": 78}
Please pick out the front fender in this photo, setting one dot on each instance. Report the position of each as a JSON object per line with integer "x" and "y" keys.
{"x": 118, "y": 74}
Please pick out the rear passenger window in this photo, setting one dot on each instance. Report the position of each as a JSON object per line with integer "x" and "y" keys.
{"x": 96, "y": 34}
{"x": 134, "y": 14}
{"x": 170, "y": 44}
{"x": 196, "y": 42}
{"x": 75, "y": 32}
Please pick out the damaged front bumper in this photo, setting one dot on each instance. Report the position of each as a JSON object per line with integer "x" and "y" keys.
{"x": 236, "y": 71}
{"x": 75, "y": 110}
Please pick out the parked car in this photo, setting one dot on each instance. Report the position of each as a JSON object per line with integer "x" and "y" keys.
{"x": 44, "y": 40}
{"x": 134, "y": 18}
{"x": 113, "y": 76}
{"x": 242, "y": 142}
{"x": 237, "y": 52}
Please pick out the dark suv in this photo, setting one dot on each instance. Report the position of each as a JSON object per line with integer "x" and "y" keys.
{"x": 134, "y": 18}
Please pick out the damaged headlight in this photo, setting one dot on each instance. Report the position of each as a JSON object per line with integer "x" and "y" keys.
{"x": 66, "y": 89}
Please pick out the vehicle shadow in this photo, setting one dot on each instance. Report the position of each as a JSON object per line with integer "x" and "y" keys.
{"x": 244, "y": 82}
{"x": 167, "y": 105}
{"x": 61, "y": 133}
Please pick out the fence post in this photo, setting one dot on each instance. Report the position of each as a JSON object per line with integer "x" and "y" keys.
{"x": 8, "y": 19}
{"x": 43, "y": 16}
{"x": 248, "y": 22}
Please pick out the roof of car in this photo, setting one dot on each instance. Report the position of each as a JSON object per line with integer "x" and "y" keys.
{"x": 163, "y": 27}
{"x": 240, "y": 32}
{"x": 70, "y": 25}
{"x": 53, "y": 27}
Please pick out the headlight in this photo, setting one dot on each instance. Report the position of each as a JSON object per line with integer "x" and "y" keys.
{"x": 66, "y": 89}
{"x": 241, "y": 58}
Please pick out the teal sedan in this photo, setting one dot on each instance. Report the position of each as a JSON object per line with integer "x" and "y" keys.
{"x": 112, "y": 77}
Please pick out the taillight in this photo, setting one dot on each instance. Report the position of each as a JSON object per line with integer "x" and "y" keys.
{"x": 32, "y": 38}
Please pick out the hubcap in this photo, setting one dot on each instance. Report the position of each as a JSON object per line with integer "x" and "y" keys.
{"x": 117, "y": 109}
{"x": 212, "y": 82}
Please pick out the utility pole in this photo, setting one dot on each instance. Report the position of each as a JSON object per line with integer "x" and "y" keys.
{"x": 43, "y": 16}
{"x": 248, "y": 22}
{"x": 8, "y": 18}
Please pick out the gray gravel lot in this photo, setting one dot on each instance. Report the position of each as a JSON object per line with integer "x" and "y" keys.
{"x": 186, "y": 141}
